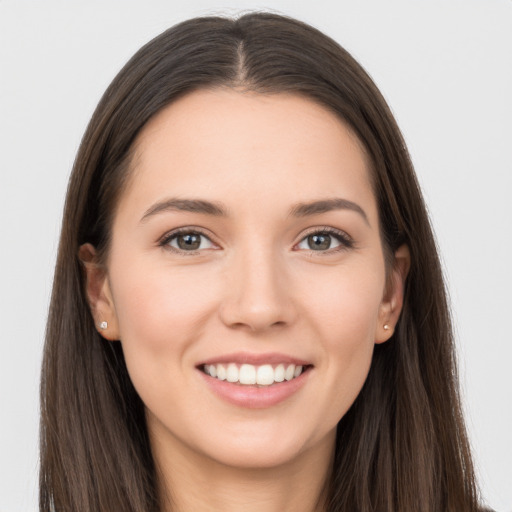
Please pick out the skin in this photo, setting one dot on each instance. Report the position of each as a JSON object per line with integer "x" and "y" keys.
{"x": 255, "y": 285}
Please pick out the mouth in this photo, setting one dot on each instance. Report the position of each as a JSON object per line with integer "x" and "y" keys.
{"x": 262, "y": 375}
{"x": 255, "y": 381}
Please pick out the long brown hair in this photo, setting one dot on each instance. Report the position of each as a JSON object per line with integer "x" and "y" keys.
{"x": 402, "y": 446}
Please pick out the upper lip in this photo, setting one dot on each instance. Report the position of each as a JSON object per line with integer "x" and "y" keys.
{"x": 255, "y": 359}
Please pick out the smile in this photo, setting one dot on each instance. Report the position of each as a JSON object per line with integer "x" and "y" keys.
{"x": 255, "y": 381}
{"x": 250, "y": 375}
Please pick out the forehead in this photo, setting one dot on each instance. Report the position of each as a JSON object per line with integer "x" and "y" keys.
{"x": 226, "y": 145}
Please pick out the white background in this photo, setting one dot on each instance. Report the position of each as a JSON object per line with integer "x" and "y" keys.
{"x": 445, "y": 67}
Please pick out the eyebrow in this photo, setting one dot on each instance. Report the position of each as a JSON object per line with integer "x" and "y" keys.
{"x": 327, "y": 205}
{"x": 186, "y": 205}
{"x": 217, "y": 209}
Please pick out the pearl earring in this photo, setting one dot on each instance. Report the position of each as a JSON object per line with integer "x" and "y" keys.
{"x": 103, "y": 325}
{"x": 386, "y": 327}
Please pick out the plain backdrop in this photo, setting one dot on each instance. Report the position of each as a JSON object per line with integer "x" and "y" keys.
{"x": 445, "y": 67}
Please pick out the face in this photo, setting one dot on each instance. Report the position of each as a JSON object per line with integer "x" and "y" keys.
{"x": 246, "y": 277}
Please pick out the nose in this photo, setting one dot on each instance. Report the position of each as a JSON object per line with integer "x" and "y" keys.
{"x": 258, "y": 294}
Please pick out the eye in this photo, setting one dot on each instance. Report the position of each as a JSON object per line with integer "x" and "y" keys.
{"x": 188, "y": 241}
{"x": 325, "y": 240}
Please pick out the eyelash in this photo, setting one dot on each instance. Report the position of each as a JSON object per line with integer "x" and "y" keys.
{"x": 190, "y": 230}
{"x": 346, "y": 242}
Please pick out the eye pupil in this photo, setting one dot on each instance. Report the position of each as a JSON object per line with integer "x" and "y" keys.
{"x": 319, "y": 242}
{"x": 189, "y": 241}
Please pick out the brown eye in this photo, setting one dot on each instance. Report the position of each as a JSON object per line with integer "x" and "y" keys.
{"x": 326, "y": 240}
{"x": 319, "y": 241}
{"x": 189, "y": 241}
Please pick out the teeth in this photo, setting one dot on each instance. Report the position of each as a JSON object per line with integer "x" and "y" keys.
{"x": 248, "y": 374}
{"x": 265, "y": 375}
{"x": 289, "y": 372}
{"x": 221, "y": 372}
{"x": 232, "y": 373}
{"x": 279, "y": 373}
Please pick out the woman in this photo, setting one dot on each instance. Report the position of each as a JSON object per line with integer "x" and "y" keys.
{"x": 248, "y": 308}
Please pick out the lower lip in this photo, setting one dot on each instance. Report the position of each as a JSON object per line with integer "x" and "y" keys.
{"x": 254, "y": 397}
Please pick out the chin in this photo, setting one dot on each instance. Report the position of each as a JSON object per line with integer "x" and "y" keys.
{"x": 273, "y": 450}
{"x": 255, "y": 459}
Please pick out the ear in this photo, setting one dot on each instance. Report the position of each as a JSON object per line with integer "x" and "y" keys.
{"x": 98, "y": 293}
{"x": 393, "y": 299}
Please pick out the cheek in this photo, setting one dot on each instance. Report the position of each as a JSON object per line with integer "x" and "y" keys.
{"x": 160, "y": 311}
{"x": 345, "y": 303}
{"x": 344, "y": 316}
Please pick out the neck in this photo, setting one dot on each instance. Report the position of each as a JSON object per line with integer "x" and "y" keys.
{"x": 189, "y": 481}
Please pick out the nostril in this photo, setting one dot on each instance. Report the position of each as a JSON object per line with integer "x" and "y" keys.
{"x": 256, "y": 301}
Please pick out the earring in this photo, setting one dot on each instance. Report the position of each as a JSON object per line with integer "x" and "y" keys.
{"x": 103, "y": 325}
{"x": 386, "y": 327}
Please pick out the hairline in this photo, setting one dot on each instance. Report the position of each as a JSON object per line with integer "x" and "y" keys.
{"x": 131, "y": 160}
